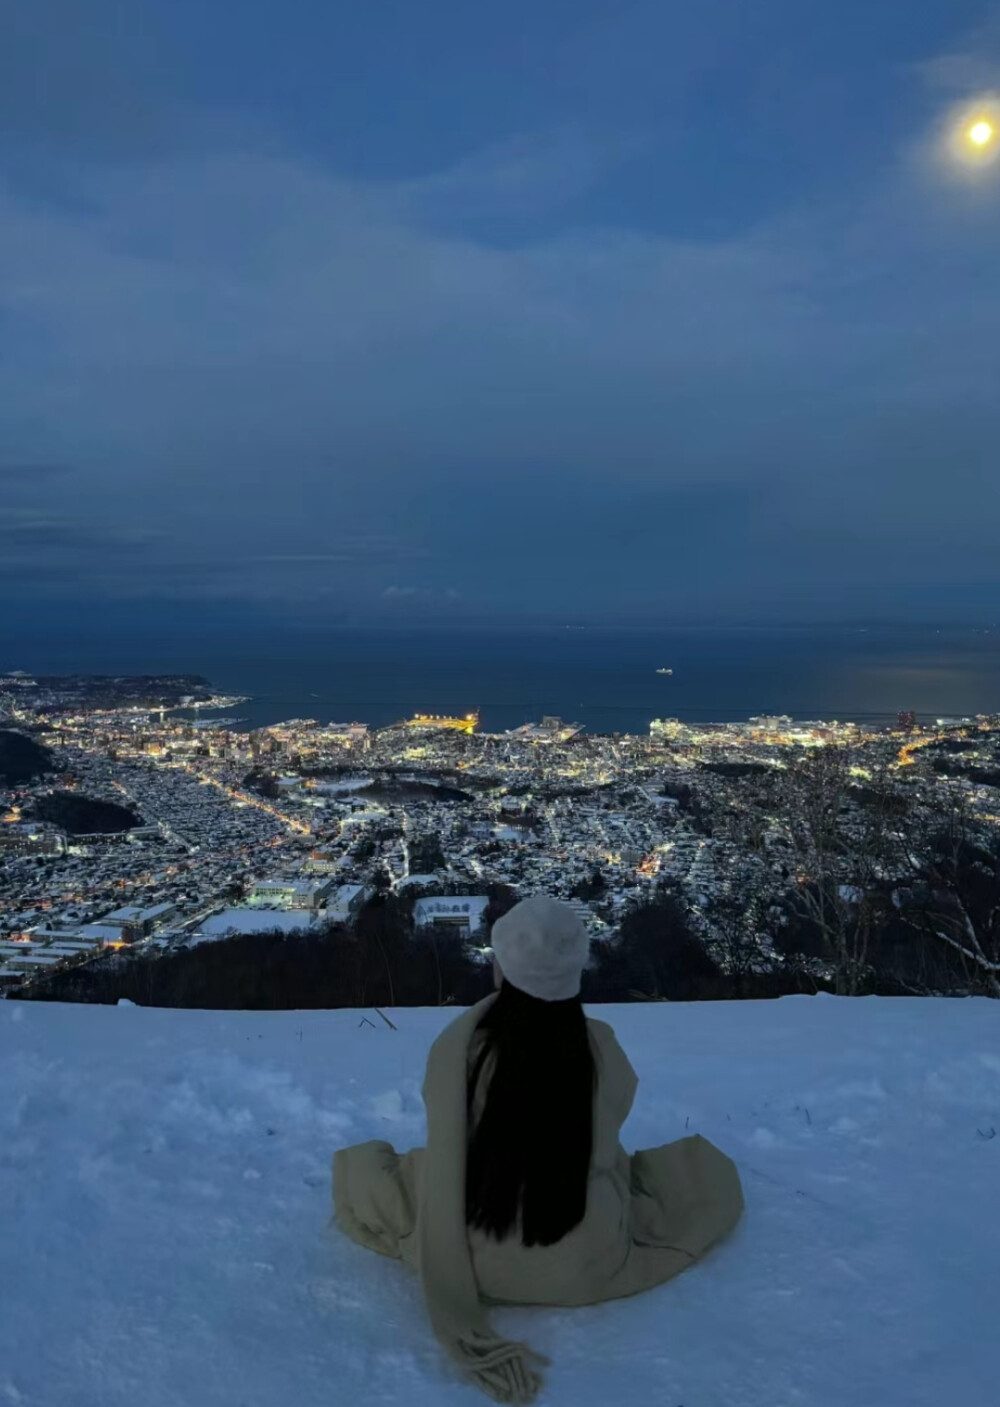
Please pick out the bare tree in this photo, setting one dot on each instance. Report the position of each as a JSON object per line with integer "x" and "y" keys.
{"x": 952, "y": 896}
{"x": 737, "y": 921}
{"x": 842, "y": 843}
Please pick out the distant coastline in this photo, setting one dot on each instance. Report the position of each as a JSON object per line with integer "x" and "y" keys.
{"x": 608, "y": 681}
{"x": 604, "y": 679}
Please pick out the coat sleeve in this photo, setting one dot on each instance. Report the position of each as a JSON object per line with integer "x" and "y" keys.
{"x": 505, "y": 1369}
{"x": 616, "y": 1070}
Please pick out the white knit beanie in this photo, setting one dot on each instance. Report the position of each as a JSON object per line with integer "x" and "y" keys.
{"x": 542, "y": 948}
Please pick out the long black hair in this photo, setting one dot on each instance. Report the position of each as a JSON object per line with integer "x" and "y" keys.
{"x": 529, "y": 1152}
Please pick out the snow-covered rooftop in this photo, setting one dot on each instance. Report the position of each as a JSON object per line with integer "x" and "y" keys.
{"x": 166, "y": 1179}
{"x": 255, "y": 920}
{"x": 462, "y": 908}
{"x": 417, "y": 881}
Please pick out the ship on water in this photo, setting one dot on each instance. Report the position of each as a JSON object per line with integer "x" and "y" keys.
{"x": 664, "y": 671}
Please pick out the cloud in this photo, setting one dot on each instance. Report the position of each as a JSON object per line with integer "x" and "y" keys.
{"x": 247, "y": 310}
{"x": 24, "y": 529}
{"x": 970, "y": 65}
{"x": 306, "y": 384}
{"x": 512, "y": 186}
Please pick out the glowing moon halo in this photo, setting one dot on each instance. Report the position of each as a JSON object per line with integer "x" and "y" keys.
{"x": 970, "y": 134}
{"x": 981, "y": 133}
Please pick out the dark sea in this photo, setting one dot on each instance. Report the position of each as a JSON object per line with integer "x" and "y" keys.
{"x": 603, "y": 679}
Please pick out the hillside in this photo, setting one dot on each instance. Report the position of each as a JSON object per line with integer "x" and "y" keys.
{"x": 21, "y": 758}
{"x": 165, "y": 1179}
{"x": 84, "y": 815}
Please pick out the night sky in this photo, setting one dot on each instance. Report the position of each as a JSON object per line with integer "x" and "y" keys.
{"x": 452, "y": 311}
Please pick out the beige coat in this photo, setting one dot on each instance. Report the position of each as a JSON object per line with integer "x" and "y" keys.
{"x": 648, "y": 1217}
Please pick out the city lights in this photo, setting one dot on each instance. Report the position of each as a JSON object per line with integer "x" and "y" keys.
{"x": 246, "y": 827}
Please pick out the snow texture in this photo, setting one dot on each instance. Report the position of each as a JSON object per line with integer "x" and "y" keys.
{"x": 231, "y": 921}
{"x": 165, "y": 1185}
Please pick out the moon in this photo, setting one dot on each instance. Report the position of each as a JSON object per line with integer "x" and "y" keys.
{"x": 981, "y": 133}
{"x": 970, "y": 134}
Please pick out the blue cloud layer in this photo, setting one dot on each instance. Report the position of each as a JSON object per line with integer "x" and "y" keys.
{"x": 732, "y": 338}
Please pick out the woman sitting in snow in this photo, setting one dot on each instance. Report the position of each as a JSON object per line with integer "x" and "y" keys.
{"x": 523, "y": 1194}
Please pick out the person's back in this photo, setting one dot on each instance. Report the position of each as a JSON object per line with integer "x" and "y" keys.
{"x": 523, "y": 1194}
{"x": 573, "y": 1269}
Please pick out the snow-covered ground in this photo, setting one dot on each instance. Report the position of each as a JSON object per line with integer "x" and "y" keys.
{"x": 164, "y": 1210}
{"x": 247, "y": 920}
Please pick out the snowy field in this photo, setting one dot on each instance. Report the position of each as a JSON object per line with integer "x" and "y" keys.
{"x": 164, "y": 1211}
{"x": 230, "y": 921}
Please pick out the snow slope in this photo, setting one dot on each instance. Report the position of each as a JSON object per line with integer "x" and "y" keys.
{"x": 164, "y": 1208}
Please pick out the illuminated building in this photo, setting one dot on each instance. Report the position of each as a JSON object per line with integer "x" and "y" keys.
{"x": 139, "y": 921}
{"x": 439, "y": 722}
{"x": 668, "y": 730}
{"x": 291, "y": 893}
{"x": 550, "y": 730}
{"x": 463, "y": 912}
